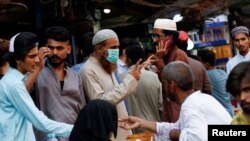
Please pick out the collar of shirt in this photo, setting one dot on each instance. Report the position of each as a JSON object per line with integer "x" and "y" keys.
{"x": 66, "y": 66}
{"x": 246, "y": 57}
{"x": 17, "y": 73}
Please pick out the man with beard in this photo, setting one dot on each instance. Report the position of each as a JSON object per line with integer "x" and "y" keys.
{"x": 198, "y": 110}
{"x": 238, "y": 84}
{"x": 168, "y": 44}
{"x": 58, "y": 88}
{"x": 18, "y": 111}
{"x": 98, "y": 77}
{"x": 241, "y": 40}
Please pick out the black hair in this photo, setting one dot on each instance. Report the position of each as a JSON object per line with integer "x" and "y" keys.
{"x": 240, "y": 71}
{"x": 23, "y": 43}
{"x": 84, "y": 44}
{"x": 134, "y": 53}
{"x": 58, "y": 33}
{"x": 4, "y": 49}
{"x": 96, "y": 120}
{"x": 125, "y": 42}
{"x": 207, "y": 56}
{"x": 3, "y": 59}
{"x": 17, "y": 56}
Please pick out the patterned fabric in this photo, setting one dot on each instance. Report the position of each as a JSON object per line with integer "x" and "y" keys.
{"x": 240, "y": 29}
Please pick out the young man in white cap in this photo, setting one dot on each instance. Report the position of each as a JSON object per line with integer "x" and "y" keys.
{"x": 17, "y": 110}
{"x": 98, "y": 78}
{"x": 240, "y": 35}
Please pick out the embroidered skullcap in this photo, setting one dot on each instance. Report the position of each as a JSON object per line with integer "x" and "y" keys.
{"x": 103, "y": 35}
{"x": 23, "y": 41}
{"x": 165, "y": 24}
{"x": 240, "y": 29}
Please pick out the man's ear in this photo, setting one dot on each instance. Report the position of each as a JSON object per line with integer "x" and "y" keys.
{"x": 69, "y": 49}
{"x": 206, "y": 65}
{"x": 172, "y": 85}
{"x": 128, "y": 61}
{"x": 98, "y": 48}
{"x": 124, "y": 52}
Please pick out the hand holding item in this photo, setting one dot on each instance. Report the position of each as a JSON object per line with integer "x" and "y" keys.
{"x": 162, "y": 47}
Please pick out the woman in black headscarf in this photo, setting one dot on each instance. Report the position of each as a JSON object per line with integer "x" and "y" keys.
{"x": 97, "y": 121}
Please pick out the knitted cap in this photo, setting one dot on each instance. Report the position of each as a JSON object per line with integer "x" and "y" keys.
{"x": 23, "y": 41}
{"x": 103, "y": 35}
{"x": 240, "y": 29}
{"x": 165, "y": 24}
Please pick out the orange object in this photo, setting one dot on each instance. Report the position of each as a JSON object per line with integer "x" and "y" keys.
{"x": 145, "y": 136}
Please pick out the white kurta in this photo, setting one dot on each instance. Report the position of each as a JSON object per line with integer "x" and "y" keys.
{"x": 98, "y": 84}
{"x": 197, "y": 112}
{"x": 236, "y": 60}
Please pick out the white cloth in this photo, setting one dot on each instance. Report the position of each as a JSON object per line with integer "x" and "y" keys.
{"x": 236, "y": 60}
{"x": 197, "y": 112}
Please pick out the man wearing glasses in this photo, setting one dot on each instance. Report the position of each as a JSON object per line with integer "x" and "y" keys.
{"x": 165, "y": 38}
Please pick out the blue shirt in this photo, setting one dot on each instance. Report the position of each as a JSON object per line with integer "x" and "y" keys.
{"x": 18, "y": 112}
{"x": 218, "y": 80}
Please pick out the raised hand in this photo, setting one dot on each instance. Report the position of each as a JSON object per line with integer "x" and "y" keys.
{"x": 136, "y": 72}
{"x": 161, "y": 49}
{"x": 43, "y": 52}
{"x": 151, "y": 60}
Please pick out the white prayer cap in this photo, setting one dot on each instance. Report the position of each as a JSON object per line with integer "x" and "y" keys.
{"x": 103, "y": 35}
{"x": 165, "y": 24}
{"x": 23, "y": 41}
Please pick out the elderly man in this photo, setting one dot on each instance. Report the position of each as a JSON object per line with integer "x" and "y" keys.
{"x": 197, "y": 110}
{"x": 98, "y": 78}
{"x": 240, "y": 36}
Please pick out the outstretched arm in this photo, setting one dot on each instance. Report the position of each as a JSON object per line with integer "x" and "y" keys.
{"x": 132, "y": 122}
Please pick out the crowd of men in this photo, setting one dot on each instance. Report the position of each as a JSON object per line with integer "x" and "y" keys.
{"x": 41, "y": 93}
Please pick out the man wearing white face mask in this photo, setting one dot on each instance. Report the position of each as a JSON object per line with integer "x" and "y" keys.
{"x": 98, "y": 78}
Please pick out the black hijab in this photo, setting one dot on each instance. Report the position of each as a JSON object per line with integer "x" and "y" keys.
{"x": 95, "y": 122}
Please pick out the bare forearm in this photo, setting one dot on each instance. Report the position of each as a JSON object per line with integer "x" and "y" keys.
{"x": 149, "y": 125}
{"x": 31, "y": 78}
